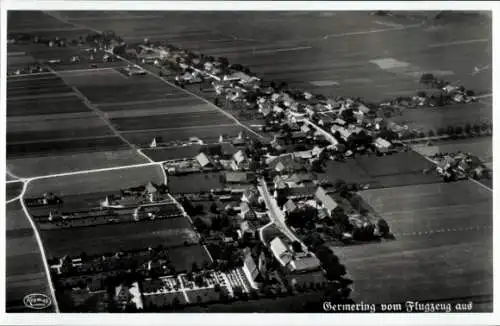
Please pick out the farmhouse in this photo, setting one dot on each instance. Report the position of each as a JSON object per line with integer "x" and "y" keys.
{"x": 204, "y": 161}
{"x": 240, "y": 161}
{"x": 326, "y": 200}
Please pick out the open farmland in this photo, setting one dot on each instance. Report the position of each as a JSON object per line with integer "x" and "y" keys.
{"x": 480, "y": 147}
{"x": 405, "y": 168}
{"x": 84, "y": 183}
{"x": 24, "y": 268}
{"x": 65, "y": 163}
{"x": 443, "y": 246}
{"x": 172, "y": 232}
{"x": 13, "y": 190}
{"x": 452, "y": 115}
{"x": 344, "y": 45}
{"x": 43, "y": 133}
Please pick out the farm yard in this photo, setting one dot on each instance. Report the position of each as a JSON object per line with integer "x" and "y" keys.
{"x": 24, "y": 267}
{"x": 172, "y": 232}
{"x": 85, "y": 183}
{"x": 443, "y": 244}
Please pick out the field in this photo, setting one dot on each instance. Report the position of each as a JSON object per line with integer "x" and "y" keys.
{"x": 480, "y": 147}
{"x": 443, "y": 246}
{"x": 405, "y": 168}
{"x": 31, "y": 166}
{"x": 85, "y": 183}
{"x": 199, "y": 182}
{"x": 24, "y": 269}
{"x": 183, "y": 257}
{"x": 13, "y": 190}
{"x": 452, "y": 115}
{"x": 108, "y": 238}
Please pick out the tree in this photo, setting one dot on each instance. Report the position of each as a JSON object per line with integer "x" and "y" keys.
{"x": 431, "y": 133}
{"x": 296, "y": 246}
{"x": 421, "y": 94}
{"x": 213, "y": 208}
{"x": 458, "y": 130}
{"x": 427, "y": 79}
{"x": 441, "y": 131}
{"x": 468, "y": 128}
{"x": 383, "y": 227}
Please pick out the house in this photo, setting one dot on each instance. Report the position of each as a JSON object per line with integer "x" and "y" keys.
{"x": 239, "y": 177}
{"x": 249, "y": 266}
{"x": 152, "y": 192}
{"x": 246, "y": 212}
{"x": 240, "y": 160}
{"x": 326, "y": 200}
{"x": 250, "y": 196}
{"x": 204, "y": 161}
{"x": 289, "y": 206}
{"x": 239, "y": 141}
{"x": 306, "y": 129}
{"x": 382, "y": 145}
{"x": 305, "y": 264}
{"x": 122, "y": 295}
{"x": 279, "y": 182}
{"x": 301, "y": 192}
{"x": 280, "y": 251}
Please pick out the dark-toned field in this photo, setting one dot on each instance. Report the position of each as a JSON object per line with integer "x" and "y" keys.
{"x": 24, "y": 268}
{"x": 199, "y": 182}
{"x": 443, "y": 247}
{"x": 405, "y": 168}
{"x": 172, "y": 232}
{"x": 13, "y": 190}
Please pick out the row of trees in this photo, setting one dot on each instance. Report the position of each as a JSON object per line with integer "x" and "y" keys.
{"x": 469, "y": 130}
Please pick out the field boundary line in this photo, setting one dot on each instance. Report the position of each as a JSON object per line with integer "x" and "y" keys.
{"x": 481, "y": 184}
{"x": 179, "y": 128}
{"x": 373, "y": 31}
{"x": 40, "y": 245}
{"x": 66, "y": 174}
{"x": 102, "y": 115}
{"x": 227, "y": 114}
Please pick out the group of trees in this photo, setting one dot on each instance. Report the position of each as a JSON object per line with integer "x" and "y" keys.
{"x": 469, "y": 130}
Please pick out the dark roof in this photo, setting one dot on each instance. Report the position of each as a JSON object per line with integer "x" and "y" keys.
{"x": 301, "y": 192}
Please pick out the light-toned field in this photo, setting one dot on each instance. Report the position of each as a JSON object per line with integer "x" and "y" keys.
{"x": 63, "y": 163}
{"x": 96, "y": 182}
{"x": 443, "y": 247}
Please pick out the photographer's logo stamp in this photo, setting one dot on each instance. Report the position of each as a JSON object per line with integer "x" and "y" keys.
{"x": 37, "y": 301}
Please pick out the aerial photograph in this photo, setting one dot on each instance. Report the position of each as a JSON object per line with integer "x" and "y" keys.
{"x": 249, "y": 161}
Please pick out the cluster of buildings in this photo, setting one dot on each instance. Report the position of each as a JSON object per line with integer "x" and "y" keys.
{"x": 134, "y": 204}
{"x": 456, "y": 166}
